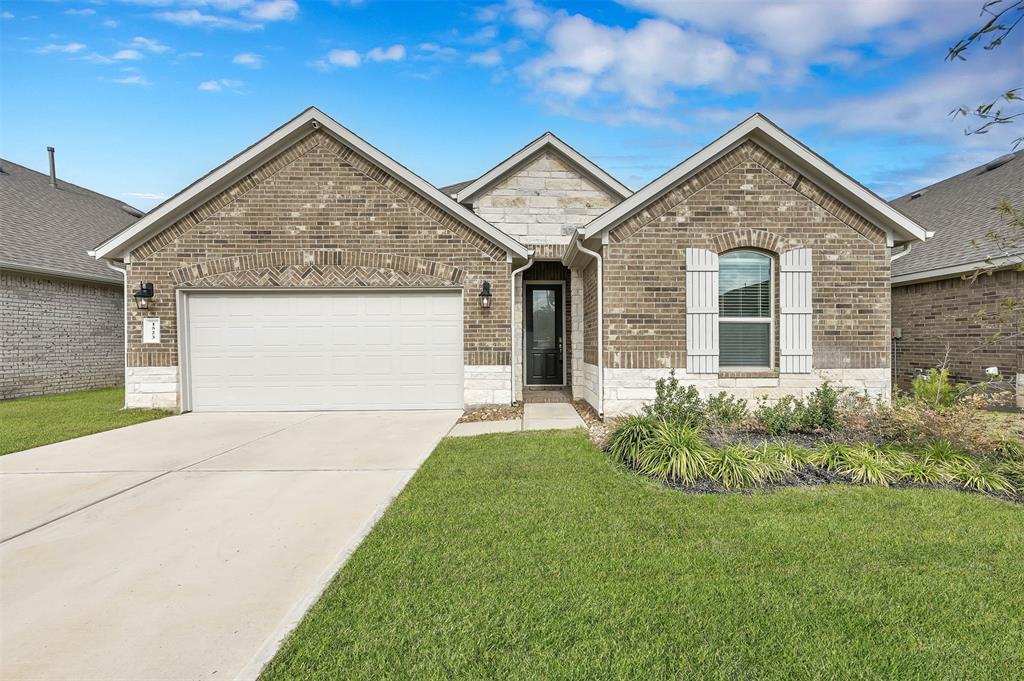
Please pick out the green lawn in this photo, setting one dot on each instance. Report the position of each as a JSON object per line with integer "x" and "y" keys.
{"x": 34, "y": 421}
{"x": 531, "y": 556}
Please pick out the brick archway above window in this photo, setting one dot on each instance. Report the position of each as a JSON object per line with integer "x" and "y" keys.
{"x": 337, "y": 267}
{"x": 752, "y": 238}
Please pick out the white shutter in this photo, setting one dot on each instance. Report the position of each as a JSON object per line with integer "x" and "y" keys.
{"x": 795, "y": 353}
{"x": 701, "y": 311}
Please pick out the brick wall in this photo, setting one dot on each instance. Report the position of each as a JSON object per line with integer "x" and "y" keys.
{"x": 58, "y": 335}
{"x": 747, "y": 198}
{"x": 543, "y": 201}
{"x": 959, "y": 317}
{"x": 320, "y": 214}
{"x": 589, "y": 277}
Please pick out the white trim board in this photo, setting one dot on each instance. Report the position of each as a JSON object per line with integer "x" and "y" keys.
{"x": 203, "y": 189}
{"x": 869, "y": 205}
{"x": 548, "y": 139}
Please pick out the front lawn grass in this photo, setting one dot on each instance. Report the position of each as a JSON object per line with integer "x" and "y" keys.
{"x": 533, "y": 556}
{"x": 34, "y": 421}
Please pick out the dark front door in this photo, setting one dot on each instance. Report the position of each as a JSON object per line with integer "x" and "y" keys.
{"x": 544, "y": 334}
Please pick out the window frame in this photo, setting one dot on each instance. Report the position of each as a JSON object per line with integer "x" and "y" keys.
{"x": 769, "y": 320}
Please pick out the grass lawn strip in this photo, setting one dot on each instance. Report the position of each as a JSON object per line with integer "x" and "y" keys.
{"x": 35, "y": 421}
{"x": 532, "y": 555}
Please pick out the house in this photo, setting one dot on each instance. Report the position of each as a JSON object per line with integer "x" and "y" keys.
{"x": 942, "y": 313}
{"x": 61, "y": 311}
{"x": 312, "y": 271}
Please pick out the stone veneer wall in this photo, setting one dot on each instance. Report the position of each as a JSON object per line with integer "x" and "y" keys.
{"x": 543, "y": 201}
{"x": 319, "y": 214}
{"x": 58, "y": 335}
{"x": 954, "y": 320}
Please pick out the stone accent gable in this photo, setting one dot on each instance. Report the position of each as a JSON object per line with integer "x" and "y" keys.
{"x": 741, "y": 203}
{"x": 747, "y": 153}
{"x": 543, "y": 201}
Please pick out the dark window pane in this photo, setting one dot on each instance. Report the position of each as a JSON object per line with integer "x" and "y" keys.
{"x": 744, "y": 344}
{"x": 744, "y": 285}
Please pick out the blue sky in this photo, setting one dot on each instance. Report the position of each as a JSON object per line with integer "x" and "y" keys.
{"x": 141, "y": 97}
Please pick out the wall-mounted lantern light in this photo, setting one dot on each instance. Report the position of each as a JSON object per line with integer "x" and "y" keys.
{"x": 143, "y": 295}
{"x": 485, "y": 295}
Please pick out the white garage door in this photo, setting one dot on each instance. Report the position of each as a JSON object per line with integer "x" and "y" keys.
{"x": 300, "y": 351}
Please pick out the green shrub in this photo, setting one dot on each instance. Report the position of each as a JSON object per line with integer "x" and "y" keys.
{"x": 1013, "y": 471}
{"x": 934, "y": 389}
{"x": 868, "y": 464}
{"x": 980, "y": 478}
{"x": 674, "y": 402}
{"x": 821, "y": 410}
{"x": 725, "y": 409}
{"x": 922, "y": 470}
{"x": 630, "y": 436}
{"x": 946, "y": 454}
{"x": 1010, "y": 449}
{"x": 789, "y": 454}
{"x": 828, "y": 456}
{"x": 675, "y": 452}
{"x": 779, "y": 460}
{"x": 735, "y": 466}
{"x": 785, "y": 416}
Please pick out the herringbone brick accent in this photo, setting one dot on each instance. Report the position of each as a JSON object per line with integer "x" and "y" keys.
{"x": 319, "y": 276}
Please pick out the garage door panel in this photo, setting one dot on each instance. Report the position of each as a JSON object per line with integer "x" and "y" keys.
{"x": 325, "y": 350}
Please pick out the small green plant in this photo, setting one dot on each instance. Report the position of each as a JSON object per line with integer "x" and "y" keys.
{"x": 675, "y": 452}
{"x": 725, "y": 409}
{"x": 934, "y": 389}
{"x": 675, "y": 402}
{"x": 946, "y": 454}
{"x": 778, "y": 460}
{"x": 868, "y": 464}
{"x": 921, "y": 470}
{"x": 828, "y": 456}
{"x": 735, "y": 466}
{"x": 789, "y": 454}
{"x": 630, "y": 436}
{"x": 782, "y": 417}
{"x": 1010, "y": 449}
{"x": 821, "y": 410}
{"x": 1013, "y": 471}
{"x": 980, "y": 478}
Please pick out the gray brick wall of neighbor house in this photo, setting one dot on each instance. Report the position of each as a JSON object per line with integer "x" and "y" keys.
{"x": 58, "y": 335}
{"x": 956, "y": 321}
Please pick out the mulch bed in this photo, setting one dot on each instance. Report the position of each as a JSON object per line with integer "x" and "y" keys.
{"x": 494, "y": 413}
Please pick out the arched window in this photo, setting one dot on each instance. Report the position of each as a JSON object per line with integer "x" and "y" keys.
{"x": 745, "y": 310}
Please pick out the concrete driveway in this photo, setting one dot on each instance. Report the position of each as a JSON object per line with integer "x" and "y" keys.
{"x": 186, "y": 548}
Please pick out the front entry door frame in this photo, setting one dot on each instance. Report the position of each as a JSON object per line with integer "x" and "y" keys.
{"x": 526, "y": 350}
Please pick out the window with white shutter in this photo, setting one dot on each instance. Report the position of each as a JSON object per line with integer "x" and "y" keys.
{"x": 795, "y": 353}
{"x": 745, "y": 310}
{"x": 701, "y": 311}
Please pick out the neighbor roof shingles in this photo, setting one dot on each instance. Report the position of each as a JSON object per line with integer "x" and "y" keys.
{"x": 42, "y": 228}
{"x": 961, "y": 212}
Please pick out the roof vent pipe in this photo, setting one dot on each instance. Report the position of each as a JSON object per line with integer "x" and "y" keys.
{"x": 53, "y": 168}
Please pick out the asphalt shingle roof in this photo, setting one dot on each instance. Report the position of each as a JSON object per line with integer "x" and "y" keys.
{"x": 961, "y": 210}
{"x": 49, "y": 229}
{"x": 456, "y": 188}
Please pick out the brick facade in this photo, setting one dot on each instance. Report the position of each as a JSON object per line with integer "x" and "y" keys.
{"x": 955, "y": 320}
{"x": 748, "y": 198}
{"x": 58, "y": 335}
{"x": 319, "y": 214}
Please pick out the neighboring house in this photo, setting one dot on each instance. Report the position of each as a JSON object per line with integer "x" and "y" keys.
{"x": 312, "y": 271}
{"x": 61, "y": 311}
{"x": 942, "y": 314}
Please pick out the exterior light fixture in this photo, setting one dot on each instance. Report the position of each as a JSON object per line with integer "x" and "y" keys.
{"x": 143, "y": 295}
{"x": 485, "y": 295}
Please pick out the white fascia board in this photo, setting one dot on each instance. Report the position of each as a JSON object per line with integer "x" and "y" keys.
{"x": 546, "y": 140}
{"x": 120, "y": 244}
{"x": 958, "y": 270}
{"x": 871, "y": 206}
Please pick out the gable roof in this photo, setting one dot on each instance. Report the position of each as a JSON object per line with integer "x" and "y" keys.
{"x": 50, "y": 230}
{"x": 288, "y": 134}
{"x": 547, "y": 140}
{"x": 453, "y": 189}
{"x": 870, "y": 206}
{"x": 961, "y": 212}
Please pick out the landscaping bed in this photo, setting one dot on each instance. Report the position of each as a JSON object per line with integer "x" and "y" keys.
{"x": 534, "y": 556}
{"x": 492, "y": 413}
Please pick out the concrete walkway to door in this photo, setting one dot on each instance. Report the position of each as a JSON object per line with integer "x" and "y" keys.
{"x": 186, "y": 548}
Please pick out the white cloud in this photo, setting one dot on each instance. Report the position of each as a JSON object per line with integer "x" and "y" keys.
{"x": 528, "y": 15}
{"x": 136, "y": 79}
{"x": 127, "y": 55}
{"x": 272, "y": 10}
{"x": 435, "y": 51}
{"x": 483, "y": 36}
{"x": 6, "y": 15}
{"x": 644, "y": 63}
{"x": 193, "y": 17}
{"x": 393, "y": 53}
{"x": 111, "y": 23}
{"x": 250, "y": 59}
{"x": 150, "y": 45}
{"x": 346, "y": 58}
{"x": 491, "y": 57}
{"x": 87, "y": 12}
{"x": 65, "y": 48}
{"x": 191, "y": 55}
{"x": 221, "y": 84}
